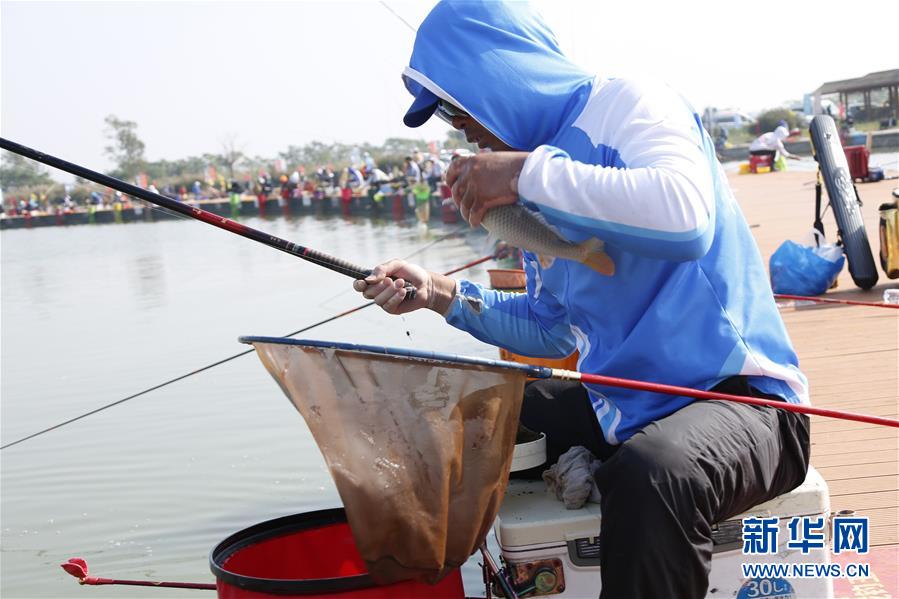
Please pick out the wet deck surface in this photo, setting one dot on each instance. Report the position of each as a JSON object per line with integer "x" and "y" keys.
{"x": 849, "y": 353}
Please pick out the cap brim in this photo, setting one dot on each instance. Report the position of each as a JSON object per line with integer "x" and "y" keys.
{"x": 422, "y": 108}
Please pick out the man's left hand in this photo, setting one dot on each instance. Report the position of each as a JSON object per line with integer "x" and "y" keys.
{"x": 484, "y": 181}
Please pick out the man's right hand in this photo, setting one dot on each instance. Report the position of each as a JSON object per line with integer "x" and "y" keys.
{"x": 386, "y": 285}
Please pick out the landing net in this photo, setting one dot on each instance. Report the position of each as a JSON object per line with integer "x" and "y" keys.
{"x": 418, "y": 446}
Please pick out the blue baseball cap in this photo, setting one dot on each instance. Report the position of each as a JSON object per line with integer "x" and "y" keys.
{"x": 422, "y": 108}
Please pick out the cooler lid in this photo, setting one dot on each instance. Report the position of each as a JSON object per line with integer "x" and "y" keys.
{"x": 531, "y": 515}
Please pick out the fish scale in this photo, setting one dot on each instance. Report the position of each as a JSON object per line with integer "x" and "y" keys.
{"x": 522, "y": 228}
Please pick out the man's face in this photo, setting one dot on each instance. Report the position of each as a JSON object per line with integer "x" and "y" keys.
{"x": 477, "y": 134}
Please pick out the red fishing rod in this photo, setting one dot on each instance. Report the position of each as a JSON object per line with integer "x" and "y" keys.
{"x": 294, "y": 249}
{"x": 545, "y": 372}
{"x": 610, "y": 381}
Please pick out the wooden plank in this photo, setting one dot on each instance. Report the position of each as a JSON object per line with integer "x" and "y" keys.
{"x": 874, "y": 410}
{"x": 821, "y": 425}
{"x": 825, "y": 389}
{"x": 882, "y": 535}
{"x": 865, "y": 501}
{"x": 859, "y": 457}
{"x": 857, "y": 405}
{"x": 877, "y": 346}
{"x": 841, "y": 336}
{"x": 852, "y": 446}
{"x": 883, "y": 516}
{"x": 824, "y": 427}
{"x": 839, "y": 329}
{"x": 818, "y": 313}
{"x": 856, "y": 364}
{"x": 842, "y": 331}
{"x": 853, "y": 386}
{"x": 879, "y": 432}
{"x": 853, "y": 471}
{"x": 868, "y": 484}
{"x": 876, "y": 342}
{"x": 824, "y": 314}
{"x": 850, "y": 354}
{"x": 841, "y": 326}
{"x": 824, "y": 393}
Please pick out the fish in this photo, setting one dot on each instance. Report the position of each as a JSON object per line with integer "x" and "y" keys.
{"x": 525, "y": 229}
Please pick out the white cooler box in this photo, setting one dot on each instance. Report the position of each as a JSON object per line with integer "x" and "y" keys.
{"x": 550, "y": 550}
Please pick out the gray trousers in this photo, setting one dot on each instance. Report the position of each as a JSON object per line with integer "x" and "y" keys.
{"x": 664, "y": 488}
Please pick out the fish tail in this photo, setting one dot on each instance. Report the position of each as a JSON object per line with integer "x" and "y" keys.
{"x": 595, "y": 257}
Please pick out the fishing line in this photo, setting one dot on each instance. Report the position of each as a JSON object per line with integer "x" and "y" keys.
{"x": 825, "y": 300}
{"x": 397, "y": 15}
{"x": 228, "y": 359}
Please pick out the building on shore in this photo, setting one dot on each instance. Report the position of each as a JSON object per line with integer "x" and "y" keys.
{"x": 874, "y": 97}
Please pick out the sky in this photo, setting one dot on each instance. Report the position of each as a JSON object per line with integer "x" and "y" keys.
{"x": 274, "y": 74}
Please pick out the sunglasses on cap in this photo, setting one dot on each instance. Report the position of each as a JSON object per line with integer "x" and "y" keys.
{"x": 447, "y": 112}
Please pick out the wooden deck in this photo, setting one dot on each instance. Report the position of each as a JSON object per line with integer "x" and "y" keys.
{"x": 849, "y": 353}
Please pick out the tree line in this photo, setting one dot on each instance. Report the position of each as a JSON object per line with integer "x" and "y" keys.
{"x": 127, "y": 152}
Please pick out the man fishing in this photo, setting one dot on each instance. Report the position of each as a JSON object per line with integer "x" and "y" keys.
{"x": 771, "y": 144}
{"x": 667, "y": 286}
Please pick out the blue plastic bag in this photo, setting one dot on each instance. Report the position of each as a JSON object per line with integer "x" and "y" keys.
{"x": 802, "y": 270}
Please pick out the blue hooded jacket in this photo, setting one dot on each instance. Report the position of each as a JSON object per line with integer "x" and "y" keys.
{"x": 629, "y": 163}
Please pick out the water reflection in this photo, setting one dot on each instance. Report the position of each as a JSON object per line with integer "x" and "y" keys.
{"x": 148, "y": 281}
{"x": 94, "y": 314}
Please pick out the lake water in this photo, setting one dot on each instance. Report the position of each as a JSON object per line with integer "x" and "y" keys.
{"x": 92, "y": 314}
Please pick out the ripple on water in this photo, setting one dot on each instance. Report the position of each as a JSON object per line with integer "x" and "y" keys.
{"x": 147, "y": 488}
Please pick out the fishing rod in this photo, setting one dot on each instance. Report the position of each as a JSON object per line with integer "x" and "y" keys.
{"x": 597, "y": 379}
{"x": 545, "y": 372}
{"x": 294, "y": 249}
{"x": 827, "y": 300}
{"x": 219, "y": 362}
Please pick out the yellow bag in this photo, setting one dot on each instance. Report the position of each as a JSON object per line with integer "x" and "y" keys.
{"x": 889, "y": 239}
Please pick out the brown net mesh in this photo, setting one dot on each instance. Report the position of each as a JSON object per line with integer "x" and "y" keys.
{"x": 419, "y": 449}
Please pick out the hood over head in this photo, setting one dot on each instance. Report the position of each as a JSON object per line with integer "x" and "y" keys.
{"x": 781, "y": 132}
{"x": 500, "y": 63}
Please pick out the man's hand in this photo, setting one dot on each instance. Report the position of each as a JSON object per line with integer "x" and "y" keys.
{"x": 484, "y": 181}
{"x": 386, "y": 285}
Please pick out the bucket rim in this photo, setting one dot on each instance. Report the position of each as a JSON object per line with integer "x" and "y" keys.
{"x": 275, "y": 528}
{"x": 540, "y": 372}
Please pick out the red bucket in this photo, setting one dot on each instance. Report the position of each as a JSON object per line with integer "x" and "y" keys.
{"x": 308, "y": 555}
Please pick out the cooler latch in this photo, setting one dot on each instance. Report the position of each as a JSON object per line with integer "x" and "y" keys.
{"x": 727, "y": 536}
{"x": 584, "y": 552}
